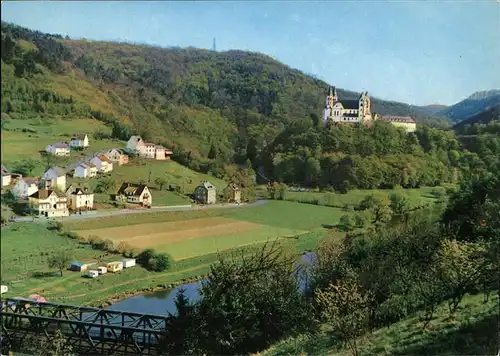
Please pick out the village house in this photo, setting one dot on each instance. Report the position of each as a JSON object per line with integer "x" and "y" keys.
{"x": 160, "y": 152}
{"x": 79, "y": 141}
{"x": 25, "y": 186}
{"x": 205, "y": 193}
{"x": 116, "y": 156}
{"x": 80, "y": 198}
{"x": 147, "y": 149}
{"x": 85, "y": 170}
{"x": 134, "y": 193}
{"x": 49, "y": 203}
{"x": 102, "y": 163}
{"x": 150, "y": 150}
{"x": 6, "y": 176}
{"x": 136, "y": 145}
{"x": 234, "y": 193}
{"x": 55, "y": 177}
{"x": 58, "y": 149}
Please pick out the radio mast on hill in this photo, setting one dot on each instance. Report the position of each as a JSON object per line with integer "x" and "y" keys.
{"x": 214, "y": 48}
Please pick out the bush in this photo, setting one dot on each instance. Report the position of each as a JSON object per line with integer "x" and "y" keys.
{"x": 55, "y": 225}
{"x": 109, "y": 245}
{"x": 144, "y": 257}
{"x": 161, "y": 263}
{"x": 70, "y": 234}
{"x": 152, "y": 261}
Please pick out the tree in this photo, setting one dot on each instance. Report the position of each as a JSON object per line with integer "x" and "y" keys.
{"x": 144, "y": 257}
{"x": 399, "y": 203}
{"x": 344, "y": 307}
{"x": 378, "y": 206}
{"x": 359, "y": 220}
{"x": 161, "y": 262}
{"x": 249, "y": 302}
{"x": 25, "y": 167}
{"x": 160, "y": 182}
{"x": 180, "y": 336}
{"x": 212, "y": 154}
{"x": 283, "y": 191}
{"x": 347, "y": 222}
{"x": 459, "y": 269}
{"x": 105, "y": 185}
{"x": 60, "y": 260}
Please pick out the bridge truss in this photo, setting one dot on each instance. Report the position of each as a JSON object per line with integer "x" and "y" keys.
{"x": 90, "y": 331}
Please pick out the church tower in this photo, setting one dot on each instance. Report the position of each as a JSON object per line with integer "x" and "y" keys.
{"x": 331, "y": 99}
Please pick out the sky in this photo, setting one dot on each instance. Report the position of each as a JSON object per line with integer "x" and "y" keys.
{"x": 418, "y": 52}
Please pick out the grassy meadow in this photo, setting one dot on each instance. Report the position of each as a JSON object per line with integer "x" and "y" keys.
{"x": 25, "y": 270}
{"x": 473, "y": 330}
{"x": 416, "y": 197}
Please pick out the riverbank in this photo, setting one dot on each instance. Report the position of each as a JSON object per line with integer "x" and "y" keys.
{"x": 161, "y": 287}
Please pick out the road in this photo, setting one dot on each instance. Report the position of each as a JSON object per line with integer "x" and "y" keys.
{"x": 102, "y": 213}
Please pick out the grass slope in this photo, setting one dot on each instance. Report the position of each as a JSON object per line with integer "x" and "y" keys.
{"x": 472, "y": 331}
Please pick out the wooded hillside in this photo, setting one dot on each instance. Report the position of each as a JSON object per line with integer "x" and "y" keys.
{"x": 194, "y": 99}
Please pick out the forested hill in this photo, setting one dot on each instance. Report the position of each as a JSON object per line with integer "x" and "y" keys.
{"x": 194, "y": 99}
{"x": 472, "y": 105}
{"x": 474, "y": 124}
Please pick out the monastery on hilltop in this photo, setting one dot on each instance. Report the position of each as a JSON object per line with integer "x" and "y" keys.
{"x": 358, "y": 112}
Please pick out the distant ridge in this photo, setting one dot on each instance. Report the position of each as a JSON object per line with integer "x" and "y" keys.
{"x": 484, "y": 117}
{"x": 473, "y": 104}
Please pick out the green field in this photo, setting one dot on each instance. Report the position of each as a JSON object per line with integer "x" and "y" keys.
{"x": 472, "y": 331}
{"x": 172, "y": 172}
{"x": 24, "y": 267}
{"x": 416, "y": 197}
{"x": 187, "y": 234}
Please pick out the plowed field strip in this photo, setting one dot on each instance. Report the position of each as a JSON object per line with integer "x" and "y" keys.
{"x": 154, "y": 228}
{"x": 144, "y": 241}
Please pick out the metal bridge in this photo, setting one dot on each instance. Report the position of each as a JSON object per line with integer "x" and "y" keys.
{"x": 90, "y": 331}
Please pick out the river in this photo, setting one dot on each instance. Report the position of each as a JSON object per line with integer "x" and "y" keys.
{"x": 162, "y": 302}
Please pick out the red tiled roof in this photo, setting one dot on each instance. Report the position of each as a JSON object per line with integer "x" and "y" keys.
{"x": 103, "y": 158}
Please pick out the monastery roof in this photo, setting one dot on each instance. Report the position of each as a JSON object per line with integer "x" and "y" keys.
{"x": 406, "y": 119}
{"x": 349, "y": 104}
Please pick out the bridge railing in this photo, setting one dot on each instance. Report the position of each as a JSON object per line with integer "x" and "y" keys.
{"x": 90, "y": 330}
